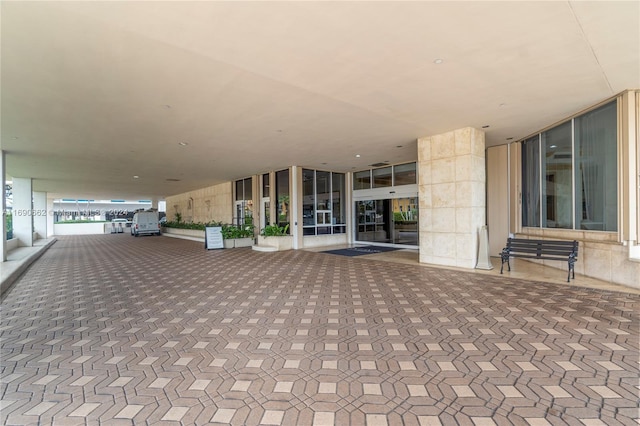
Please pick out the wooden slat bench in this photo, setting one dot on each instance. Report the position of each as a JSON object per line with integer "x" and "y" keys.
{"x": 541, "y": 249}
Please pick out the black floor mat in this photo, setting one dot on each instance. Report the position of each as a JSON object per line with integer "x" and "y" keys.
{"x": 359, "y": 251}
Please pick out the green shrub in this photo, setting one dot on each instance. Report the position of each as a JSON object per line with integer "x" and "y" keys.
{"x": 190, "y": 225}
{"x": 9, "y": 225}
{"x": 233, "y": 231}
{"x": 274, "y": 231}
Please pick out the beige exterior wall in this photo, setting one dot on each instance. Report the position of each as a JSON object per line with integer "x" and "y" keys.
{"x": 498, "y": 212}
{"x": 452, "y": 179}
{"x": 213, "y": 203}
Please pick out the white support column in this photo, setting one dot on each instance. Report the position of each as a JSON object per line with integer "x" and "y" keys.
{"x": 3, "y": 226}
{"x": 22, "y": 210}
{"x": 295, "y": 206}
{"x": 50, "y": 218}
{"x": 154, "y": 203}
{"x": 40, "y": 214}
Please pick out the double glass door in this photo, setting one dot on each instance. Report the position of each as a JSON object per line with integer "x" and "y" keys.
{"x": 387, "y": 221}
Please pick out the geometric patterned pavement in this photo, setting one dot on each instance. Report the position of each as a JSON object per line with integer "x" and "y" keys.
{"x": 115, "y": 330}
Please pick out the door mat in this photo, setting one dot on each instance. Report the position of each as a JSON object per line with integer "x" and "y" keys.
{"x": 359, "y": 251}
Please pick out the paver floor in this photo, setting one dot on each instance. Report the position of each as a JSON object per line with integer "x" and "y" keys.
{"x": 114, "y": 330}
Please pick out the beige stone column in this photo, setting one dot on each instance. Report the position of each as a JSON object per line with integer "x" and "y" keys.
{"x": 452, "y": 176}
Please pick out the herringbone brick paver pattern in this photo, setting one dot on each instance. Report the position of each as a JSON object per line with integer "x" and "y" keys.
{"x": 119, "y": 330}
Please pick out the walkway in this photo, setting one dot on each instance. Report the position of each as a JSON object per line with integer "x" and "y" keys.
{"x": 114, "y": 330}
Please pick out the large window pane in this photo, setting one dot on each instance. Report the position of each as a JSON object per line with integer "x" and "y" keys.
{"x": 282, "y": 198}
{"x": 596, "y": 169}
{"x": 239, "y": 190}
{"x": 337, "y": 201}
{"x": 248, "y": 189}
{"x": 362, "y": 180}
{"x": 557, "y": 195}
{"x": 323, "y": 191}
{"x": 308, "y": 200}
{"x": 531, "y": 182}
{"x": 404, "y": 174}
{"x": 265, "y": 185}
{"x": 382, "y": 177}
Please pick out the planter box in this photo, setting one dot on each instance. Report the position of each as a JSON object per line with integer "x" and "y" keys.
{"x": 279, "y": 243}
{"x": 185, "y": 233}
{"x": 243, "y": 242}
{"x": 238, "y": 242}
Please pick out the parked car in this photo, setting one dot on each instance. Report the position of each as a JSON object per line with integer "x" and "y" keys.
{"x": 145, "y": 223}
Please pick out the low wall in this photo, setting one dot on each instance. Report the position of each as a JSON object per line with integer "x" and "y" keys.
{"x": 12, "y": 244}
{"x": 187, "y": 234}
{"x": 599, "y": 255}
{"x": 324, "y": 240}
{"x": 79, "y": 228}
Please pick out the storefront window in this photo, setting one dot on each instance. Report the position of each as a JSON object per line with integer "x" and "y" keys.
{"x": 323, "y": 202}
{"x": 244, "y": 202}
{"x": 282, "y": 198}
{"x": 596, "y": 170}
{"x": 573, "y": 168}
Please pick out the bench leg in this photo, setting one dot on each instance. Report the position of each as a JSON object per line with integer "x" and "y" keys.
{"x": 503, "y": 262}
{"x": 572, "y": 268}
{"x": 504, "y": 256}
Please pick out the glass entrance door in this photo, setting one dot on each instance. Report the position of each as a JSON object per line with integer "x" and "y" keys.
{"x": 387, "y": 221}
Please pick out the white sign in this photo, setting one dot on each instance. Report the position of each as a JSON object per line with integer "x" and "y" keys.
{"x": 213, "y": 238}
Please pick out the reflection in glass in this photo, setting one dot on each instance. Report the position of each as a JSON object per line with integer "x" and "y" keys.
{"x": 596, "y": 169}
{"x": 404, "y": 174}
{"x": 557, "y": 200}
{"x": 282, "y": 198}
{"x": 531, "y": 182}
{"x": 362, "y": 180}
{"x": 265, "y": 185}
{"x": 382, "y": 177}
{"x": 392, "y": 221}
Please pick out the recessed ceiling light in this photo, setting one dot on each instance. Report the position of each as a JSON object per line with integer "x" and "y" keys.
{"x": 486, "y": 126}
{"x": 183, "y": 143}
{"x": 357, "y": 155}
{"x": 136, "y": 176}
{"x": 398, "y": 146}
{"x": 438, "y": 61}
{"x": 502, "y": 105}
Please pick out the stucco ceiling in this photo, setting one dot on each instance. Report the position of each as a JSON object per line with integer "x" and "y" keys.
{"x": 94, "y": 93}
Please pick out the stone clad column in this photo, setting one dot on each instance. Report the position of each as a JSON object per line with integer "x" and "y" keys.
{"x": 452, "y": 179}
{"x": 22, "y": 211}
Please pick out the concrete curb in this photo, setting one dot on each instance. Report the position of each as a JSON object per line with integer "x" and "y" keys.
{"x": 19, "y": 266}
